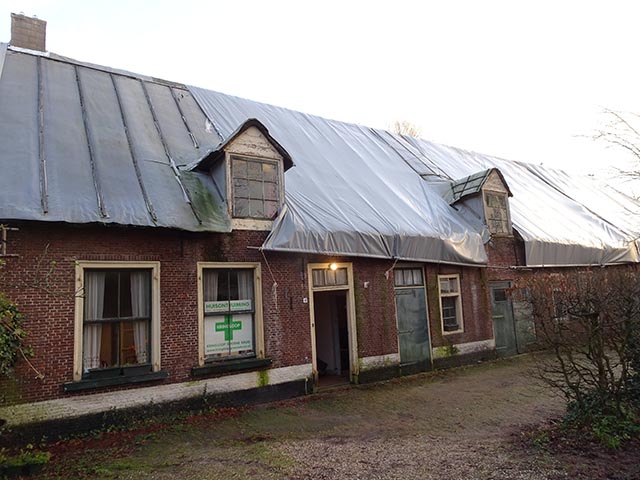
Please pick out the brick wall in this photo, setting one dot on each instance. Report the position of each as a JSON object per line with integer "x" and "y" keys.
{"x": 28, "y": 32}
{"x": 41, "y": 278}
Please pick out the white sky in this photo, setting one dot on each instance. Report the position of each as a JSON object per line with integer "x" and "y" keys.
{"x": 521, "y": 80}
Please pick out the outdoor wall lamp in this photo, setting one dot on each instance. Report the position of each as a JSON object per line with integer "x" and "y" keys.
{"x": 333, "y": 266}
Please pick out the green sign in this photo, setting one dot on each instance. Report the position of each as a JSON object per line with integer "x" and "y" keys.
{"x": 228, "y": 326}
{"x": 228, "y": 334}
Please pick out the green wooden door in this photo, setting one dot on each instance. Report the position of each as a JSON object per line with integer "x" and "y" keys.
{"x": 413, "y": 326}
{"x": 503, "y": 321}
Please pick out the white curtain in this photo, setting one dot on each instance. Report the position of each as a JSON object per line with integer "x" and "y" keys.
{"x": 140, "y": 301}
{"x": 210, "y": 286}
{"x": 245, "y": 285}
{"x": 93, "y": 308}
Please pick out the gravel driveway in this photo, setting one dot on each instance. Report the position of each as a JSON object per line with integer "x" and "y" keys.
{"x": 457, "y": 424}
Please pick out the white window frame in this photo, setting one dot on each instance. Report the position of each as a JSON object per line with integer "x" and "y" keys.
{"x": 154, "y": 267}
{"x": 258, "y": 320}
{"x": 458, "y": 295}
{"x": 509, "y": 232}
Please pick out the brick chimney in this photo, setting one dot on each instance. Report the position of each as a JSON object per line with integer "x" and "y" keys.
{"x": 28, "y": 32}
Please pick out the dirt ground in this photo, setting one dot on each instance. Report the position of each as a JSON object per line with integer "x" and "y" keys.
{"x": 466, "y": 423}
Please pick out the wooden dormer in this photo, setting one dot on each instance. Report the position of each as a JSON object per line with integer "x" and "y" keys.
{"x": 486, "y": 194}
{"x": 248, "y": 170}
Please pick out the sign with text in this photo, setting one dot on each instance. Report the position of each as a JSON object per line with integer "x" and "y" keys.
{"x": 230, "y": 334}
{"x": 227, "y": 306}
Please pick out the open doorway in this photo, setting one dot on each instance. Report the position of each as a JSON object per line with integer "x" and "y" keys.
{"x": 332, "y": 337}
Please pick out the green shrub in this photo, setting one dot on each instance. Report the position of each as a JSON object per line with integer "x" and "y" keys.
{"x": 12, "y": 335}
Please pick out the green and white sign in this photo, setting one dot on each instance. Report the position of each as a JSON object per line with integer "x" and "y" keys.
{"x": 230, "y": 334}
{"x": 227, "y": 306}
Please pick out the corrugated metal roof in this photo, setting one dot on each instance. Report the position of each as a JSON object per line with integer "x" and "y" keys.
{"x": 81, "y": 144}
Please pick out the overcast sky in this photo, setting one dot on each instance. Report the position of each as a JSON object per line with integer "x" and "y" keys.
{"x": 521, "y": 80}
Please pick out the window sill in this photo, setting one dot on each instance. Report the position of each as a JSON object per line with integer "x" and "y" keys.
{"x": 88, "y": 384}
{"x": 453, "y": 332}
{"x": 230, "y": 366}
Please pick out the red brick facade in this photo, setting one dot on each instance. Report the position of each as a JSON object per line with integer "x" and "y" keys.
{"x": 40, "y": 277}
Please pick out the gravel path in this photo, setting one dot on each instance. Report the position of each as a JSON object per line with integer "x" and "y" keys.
{"x": 457, "y": 424}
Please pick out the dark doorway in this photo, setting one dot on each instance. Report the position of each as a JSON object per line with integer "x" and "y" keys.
{"x": 332, "y": 337}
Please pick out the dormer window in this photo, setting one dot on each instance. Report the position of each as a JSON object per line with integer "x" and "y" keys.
{"x": 497, "y": 213}
{"x": 256, "y": 188}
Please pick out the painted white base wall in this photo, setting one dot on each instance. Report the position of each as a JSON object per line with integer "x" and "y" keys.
{"x": 465, "y": 348}
{"x": 371, "y": 363}
{"x": 101, "y": 402}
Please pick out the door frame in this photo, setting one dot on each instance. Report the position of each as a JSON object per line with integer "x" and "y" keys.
{"x": 351, "y": 317}
{"x": 426, "y": 307}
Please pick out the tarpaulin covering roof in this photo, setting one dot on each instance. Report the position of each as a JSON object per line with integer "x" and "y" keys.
{"x": 83, "y": 144}
{"x": 355, "y": 192}
{"x": 350, "y": 193}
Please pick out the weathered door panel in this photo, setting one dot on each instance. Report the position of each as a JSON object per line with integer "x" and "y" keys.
{"x": 413, "y": 333}
{"x": 503, "y": 322}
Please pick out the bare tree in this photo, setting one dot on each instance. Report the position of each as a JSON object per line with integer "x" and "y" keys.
{"x": 404, "y": 127}
{"x": 590, "y": 323}
{"x": 622, "y": 130}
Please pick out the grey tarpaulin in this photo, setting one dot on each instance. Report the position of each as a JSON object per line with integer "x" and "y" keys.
{"x": 83, "y": 144}
{"x": 349, "y": 192}
{"x": 358, "y": 191}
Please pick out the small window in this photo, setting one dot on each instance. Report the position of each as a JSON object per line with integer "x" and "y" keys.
{"x": 450, "y": 303}
{"x": 329, "y": 278}
{"x": 497, "y": 213}
{"x": 229, "y": 313}
{"x": 408, "y": 277}
{"x": 117, "y": 320}
{"x": 256, "y": 188}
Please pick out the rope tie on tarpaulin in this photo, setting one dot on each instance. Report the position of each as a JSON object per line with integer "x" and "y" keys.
{"x": 274, "y": 286}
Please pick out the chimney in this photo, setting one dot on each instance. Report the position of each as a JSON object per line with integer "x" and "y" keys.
{"x": 28, "y": 32}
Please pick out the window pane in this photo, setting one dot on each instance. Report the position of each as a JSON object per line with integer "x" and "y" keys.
{"x": 254, "y": 170}
{"x": 445, "y": 285}
{"x": 318, "y": 278}
{"x": 239, "y": 168}
{"x": 341, "y": 276}
{"x": 210, "y": 284}
{"x": 500, "y": 295}
{"x": 449, "y": 315}
{"x": 398, "y": 277}
{"x": 241, "y": 187}
{"x": 417, "y": 276}
{"x": 241, "y": 208}
{"x": 408, "y": 276}
{"x": 269, "y": 172}
{"x": 125, "y": 295}
{"x": 255, "y": 189}
{"x": 271, "y": 191}
{"x": 270, "y": 209}
{"x": 134, "y": 343}
{"x": 256, "y": 208}
{"x": 110, "y": 295}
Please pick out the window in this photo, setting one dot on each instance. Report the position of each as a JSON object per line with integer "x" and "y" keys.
{"x": 450, "y": 303}
{"x": 231, "y": 312}
{"x": 497, "y": 213}
{"x": 407, "y": 277}
{"x": 256, "y": 188}
{"x": 117, "y": 319}
{"x": 329, "y": 278}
